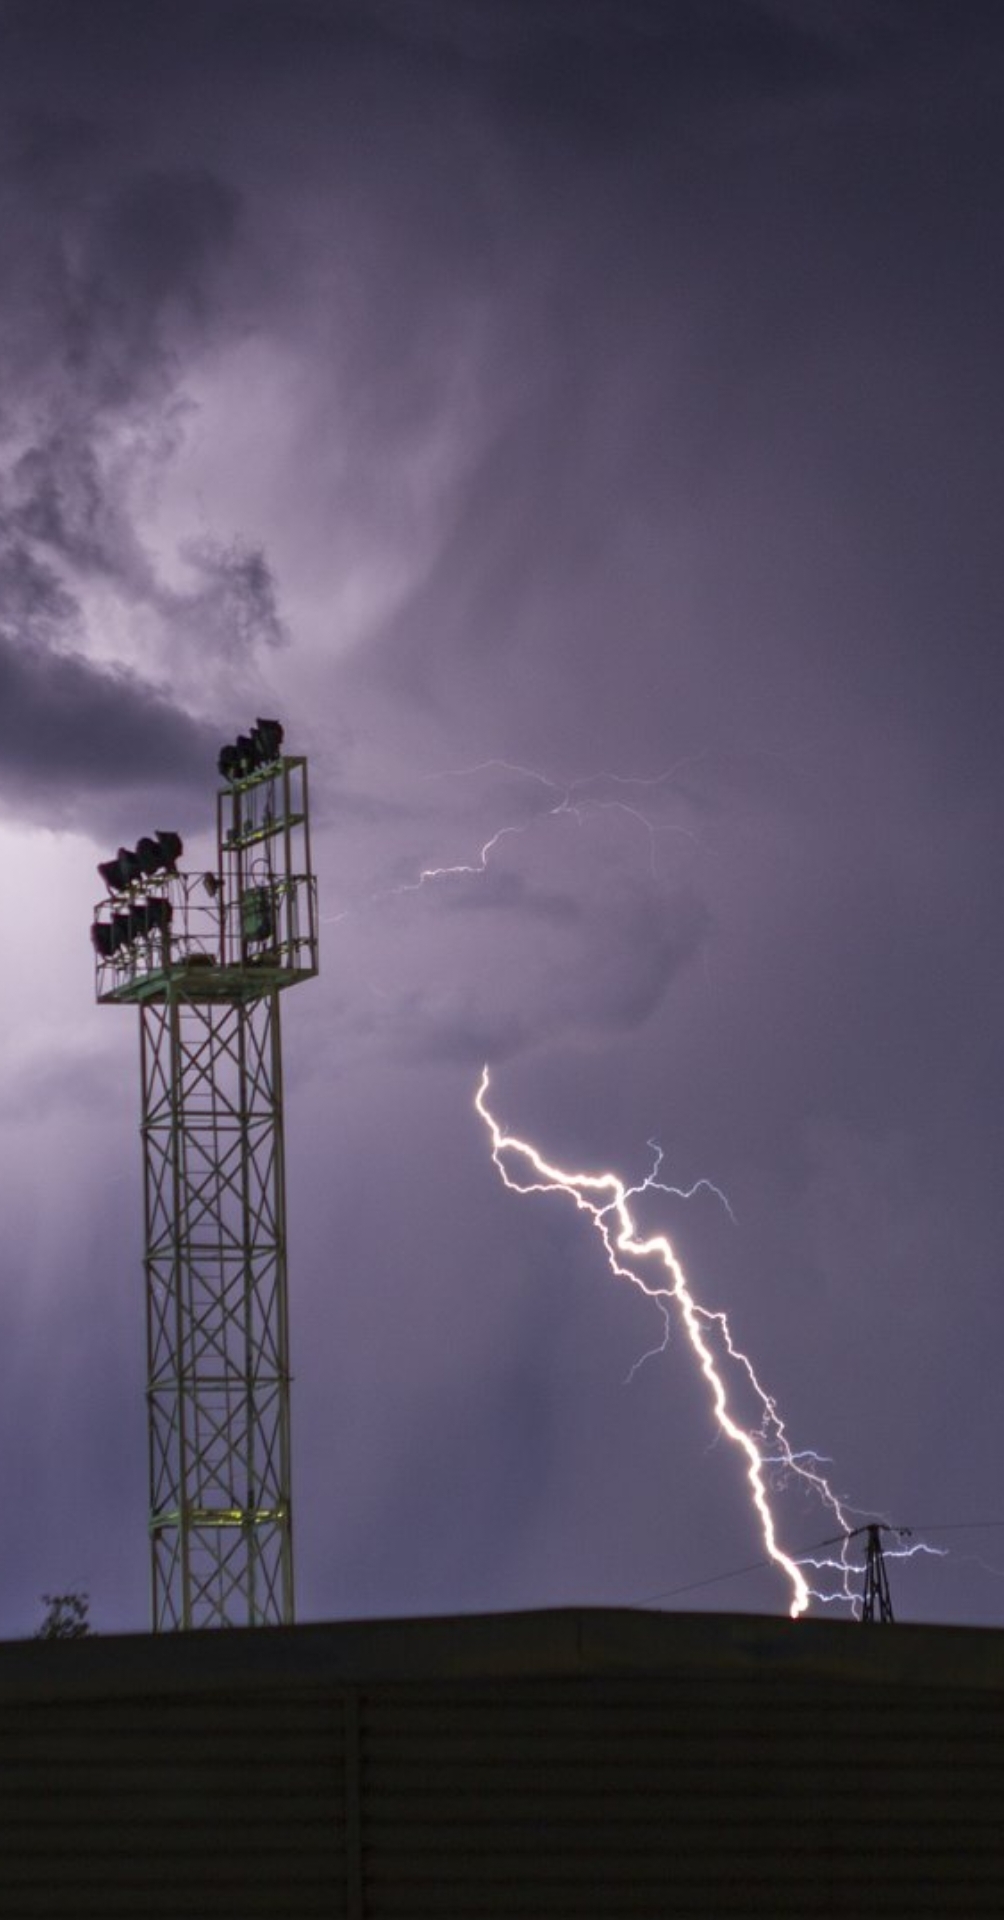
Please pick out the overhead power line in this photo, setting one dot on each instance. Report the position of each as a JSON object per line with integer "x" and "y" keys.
{"x": 834, "y": 1540}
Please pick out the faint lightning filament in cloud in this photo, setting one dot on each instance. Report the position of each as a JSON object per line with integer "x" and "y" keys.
{"x": 576, "y": 800}
{"x": 573, "y": 799}
{"x": 764, "y": 1448}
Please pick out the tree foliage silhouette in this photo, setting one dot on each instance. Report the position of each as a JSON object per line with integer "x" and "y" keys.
{"x": 65, "y": 1617}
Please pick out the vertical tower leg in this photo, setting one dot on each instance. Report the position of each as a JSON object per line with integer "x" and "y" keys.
{"x": 217, "y": 1318}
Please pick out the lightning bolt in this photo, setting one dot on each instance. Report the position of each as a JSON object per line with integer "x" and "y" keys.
{"x": 650, "y": 1264}
{"x": 771, "y": 1463}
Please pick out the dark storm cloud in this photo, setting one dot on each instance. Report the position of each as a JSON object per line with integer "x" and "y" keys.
{"x": 649, "y": 354}
{"x": 233, "y": 611}
{"x": 117, "y": 272}
{"x": 675, "y": 324}
{"x": 89, "y": 353}
{"x": 71, "y": 733}
{"x": 36, "y": 607}
{"x": 73, "y": 513}
{"x": 602, "y": 62}
{"x": 115, "y": 261}
{"x": 152, "y": 248}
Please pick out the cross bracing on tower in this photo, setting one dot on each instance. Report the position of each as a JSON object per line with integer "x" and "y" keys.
{"x": 205, "y": 957}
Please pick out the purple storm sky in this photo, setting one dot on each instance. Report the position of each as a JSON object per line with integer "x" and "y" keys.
{"x": 578, "y": 418}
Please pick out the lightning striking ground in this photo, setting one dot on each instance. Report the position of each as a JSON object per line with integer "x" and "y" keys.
{"x": 764, "y": 1447}
{"x": 772, "y": 1465}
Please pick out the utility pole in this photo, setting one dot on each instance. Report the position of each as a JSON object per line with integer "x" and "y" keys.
{"x": 205, "y": 957}
{"x": 876, "y": 1601}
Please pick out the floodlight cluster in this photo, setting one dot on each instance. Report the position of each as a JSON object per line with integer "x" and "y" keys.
{"x": 139, "y": 914}
{"x": 155, "y": 853}
{"x": 251, "y": 752}
{"x": 136, "y": 922}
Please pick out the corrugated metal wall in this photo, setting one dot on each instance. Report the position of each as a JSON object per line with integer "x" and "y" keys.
{"x": 572, "y": 1764}
{"x": 697, "y": 1797}
{"x": 170, "y": 1806}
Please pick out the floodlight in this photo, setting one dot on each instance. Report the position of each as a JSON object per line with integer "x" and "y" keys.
{"x": 155, "y": 853}
{"x": 267, "y": 737}
{"x": 246, "y": 757}
{"x": 102, "y": 939}
{"x": 149, "y": 855}
{"x": 118, "y": 873}
{"x": 158, "y": 913}
{"x": 171, "y": 849}
{"x": 251, "y": 751}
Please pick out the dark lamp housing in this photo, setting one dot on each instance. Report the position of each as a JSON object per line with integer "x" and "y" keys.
{"x": 158, "y": 915}
{"x": 158, "y": 853}
{"x": 102, "y": 939}
{"x": 119, "y": 873}
{"x": 148, "y": 855}
{"x": 137, "y": 922}
{"x": 250, "y": 752}
{"x": 267, "y": 738}
{"x": 171, "y": 849}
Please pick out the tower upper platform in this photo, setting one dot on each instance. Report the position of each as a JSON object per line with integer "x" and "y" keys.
{"x": 244, "y": 928}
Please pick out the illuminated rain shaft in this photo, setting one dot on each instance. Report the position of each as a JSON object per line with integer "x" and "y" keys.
{"x": 765, "y": 1449}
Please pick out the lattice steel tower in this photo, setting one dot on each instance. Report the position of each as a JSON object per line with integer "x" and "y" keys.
{"x": 876, "y": 1601}
{"x": 205, "y": 957}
